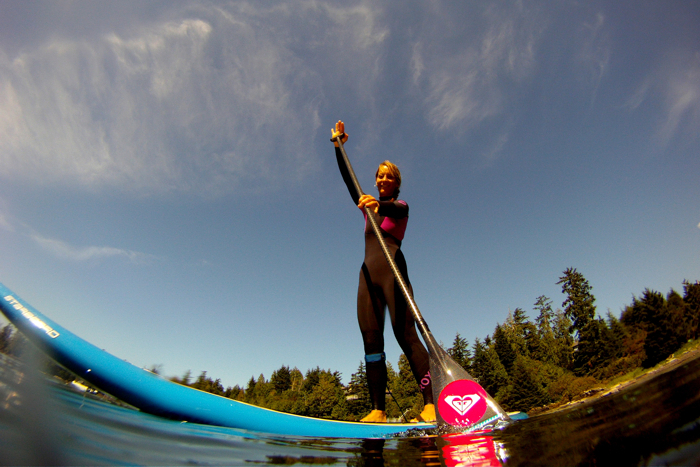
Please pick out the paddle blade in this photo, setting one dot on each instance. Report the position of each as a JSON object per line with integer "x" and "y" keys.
{"x": 459, "y": 399}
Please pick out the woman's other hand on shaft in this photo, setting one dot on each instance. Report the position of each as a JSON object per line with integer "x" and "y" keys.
{"x": 369, "y": 201}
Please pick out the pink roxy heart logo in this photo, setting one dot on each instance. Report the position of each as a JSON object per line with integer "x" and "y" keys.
{"x": 462, "y": 403}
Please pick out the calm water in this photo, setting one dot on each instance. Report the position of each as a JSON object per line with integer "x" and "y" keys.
{"x": 43, "y": 423}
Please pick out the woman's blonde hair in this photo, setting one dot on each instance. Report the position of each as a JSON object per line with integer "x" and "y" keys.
{"x": 395, "y": 172}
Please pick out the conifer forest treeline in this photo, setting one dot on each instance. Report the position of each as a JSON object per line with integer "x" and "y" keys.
{"x": 524, "y": 364}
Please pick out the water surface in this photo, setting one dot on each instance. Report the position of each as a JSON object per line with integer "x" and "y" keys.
{"x": 656, "y": 422}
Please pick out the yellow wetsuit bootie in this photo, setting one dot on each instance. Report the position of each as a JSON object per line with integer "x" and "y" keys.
{"x": 427, "y": 415}
{"x": 375, "y": 416}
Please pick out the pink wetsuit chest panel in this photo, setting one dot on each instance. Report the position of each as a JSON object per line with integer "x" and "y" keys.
{"x": 394, "y": 227}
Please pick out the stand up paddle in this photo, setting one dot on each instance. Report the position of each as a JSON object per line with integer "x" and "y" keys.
{"x": 460, "y": 400}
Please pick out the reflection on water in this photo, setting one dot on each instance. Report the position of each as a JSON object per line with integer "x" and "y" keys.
{"x": 654, "y": 423}
{"x": 480, "y": 450}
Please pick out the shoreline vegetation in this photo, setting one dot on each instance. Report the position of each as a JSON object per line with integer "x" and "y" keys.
{"x": 564, "y": 357}
{"x": 638, "y": 376}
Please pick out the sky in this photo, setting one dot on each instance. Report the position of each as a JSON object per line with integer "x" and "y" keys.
{"x": 169, "y": 193}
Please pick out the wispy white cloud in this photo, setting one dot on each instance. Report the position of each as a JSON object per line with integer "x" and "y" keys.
{"x": 672, "y": 86}
{"x": 205, "y": 103}
{"x": 639, "y": 95}
{"x": 5, "y": 224}
{"x": 63, "y": 250}
{"x": 680, "y": 89}
{"x": 469, "y": 83}
{"x": 417, "y": 64}
{"x": 497, "y": 147}
{"x": 593, "y": 56}
{"x": 220, "y": 96}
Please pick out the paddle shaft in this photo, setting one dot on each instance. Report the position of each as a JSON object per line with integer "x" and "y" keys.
{"x": 422, "y": 325}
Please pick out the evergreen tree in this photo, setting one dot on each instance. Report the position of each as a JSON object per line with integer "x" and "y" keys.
{"x": 547, "y": 349}
{"x": 234, "y": 392}
{"x": 503, "y": 346}
{"x": 528, "y": 386}
{"x": 637, "y": 318}
{"x": 479, "y": 359}
{"x": 605, "y": 347}
{"x": 326, "y": 398}
{"x": 406, "y": 390}
{"x": 288, "y": 401}
{"x": 691, "y": 298}
{"x": 545, "y": 314}
{"x": 488, "y": 369}
{"x": 579, "y": 307}
{"x": 185, "y": 380}
{"x": 393, "y": 407}
{"x": 587, "y": 349}
{"x": 615, "y": 337}
{"x": 460, "y": 352}
{"x": 297, "y": 379}
{"x": 359, "y": 399}
{"x": 204, "y": 383}
{"x": 496, "y": 375}
{"x": 520, "y": 332}
{"x": 263, "y": 388}
{"x": 311, "y": 379}
{"x": 564, "y": 341}
{"x": 250, "y": 391}
{"x": 635, "y": 334}
{"x": 661, "y": 324}
{"x": 677, "y": 310}
{"x": 640, "y": 312}
{"x": 532, "y": 339}
{"x": 281, "y": 379}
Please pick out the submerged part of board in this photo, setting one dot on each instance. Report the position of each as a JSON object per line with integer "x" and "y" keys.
{"x": 155, "y": 395}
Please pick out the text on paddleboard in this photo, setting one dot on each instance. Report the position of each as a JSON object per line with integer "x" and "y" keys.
{"x": 31, "y": 317}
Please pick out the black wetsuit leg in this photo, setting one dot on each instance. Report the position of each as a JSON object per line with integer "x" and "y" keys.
{"x": 370, "y": 315}
{"x": 404, "y": 327}
{"x": 377, "y": 291}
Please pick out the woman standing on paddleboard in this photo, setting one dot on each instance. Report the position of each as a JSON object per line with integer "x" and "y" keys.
{"x": 378, "y": 289}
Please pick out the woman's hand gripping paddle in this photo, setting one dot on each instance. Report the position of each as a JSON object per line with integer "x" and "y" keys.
{"x": 460, "y": 400}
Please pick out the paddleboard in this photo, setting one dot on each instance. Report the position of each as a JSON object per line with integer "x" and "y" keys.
{"x": 156, "y": 395}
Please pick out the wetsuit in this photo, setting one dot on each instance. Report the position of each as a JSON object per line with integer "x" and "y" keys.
{"x": 379, "y": 290}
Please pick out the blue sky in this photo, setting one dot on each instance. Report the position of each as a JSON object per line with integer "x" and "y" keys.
{"x": 168, "y": 191}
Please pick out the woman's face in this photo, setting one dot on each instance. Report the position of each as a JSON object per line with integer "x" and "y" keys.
{"x": 386, "y": 183}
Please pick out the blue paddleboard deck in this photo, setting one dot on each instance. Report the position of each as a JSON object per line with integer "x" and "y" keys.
{"x": 155, "y": 395}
